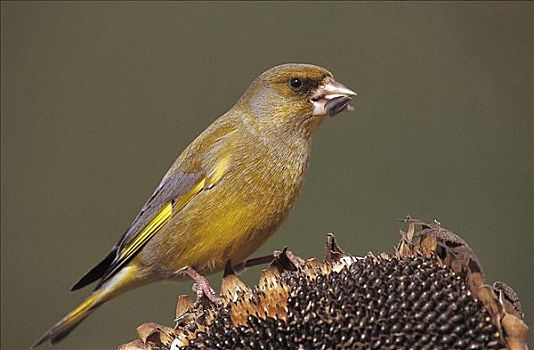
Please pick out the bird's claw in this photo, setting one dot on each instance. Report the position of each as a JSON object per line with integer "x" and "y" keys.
{"x": 202, "y": 289}
{"x": 295, "y": 259}
{"x": 283, "y": 259}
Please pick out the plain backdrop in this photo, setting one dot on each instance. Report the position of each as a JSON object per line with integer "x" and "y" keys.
{"x": 99, "y": 98}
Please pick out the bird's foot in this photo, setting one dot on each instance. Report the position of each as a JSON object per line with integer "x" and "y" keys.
{"x": 202, "y": 288}
{"x": 296, "y": 260}
{"x": 277, "y": 258}
{"x": 286, "y": 260}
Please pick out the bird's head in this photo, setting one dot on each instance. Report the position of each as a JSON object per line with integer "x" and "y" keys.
{"x": 295, "y": 97}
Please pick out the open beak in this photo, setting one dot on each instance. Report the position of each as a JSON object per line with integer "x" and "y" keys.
{"x": 332, "y": 98}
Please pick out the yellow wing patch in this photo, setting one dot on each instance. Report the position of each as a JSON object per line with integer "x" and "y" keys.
{"x": 165, "y": 213}
{"x": 150, "y": 229}
{"x": 218, "y": 171}
{"x": 155, "y": 225}
{"x": 183, "y": 200}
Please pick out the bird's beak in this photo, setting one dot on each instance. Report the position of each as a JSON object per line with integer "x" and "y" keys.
{"x": 331, "y": 98}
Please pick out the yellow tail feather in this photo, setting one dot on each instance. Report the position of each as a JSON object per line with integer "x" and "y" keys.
{"x": 121, "y": 282}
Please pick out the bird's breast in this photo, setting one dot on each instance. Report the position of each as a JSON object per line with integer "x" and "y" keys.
{"x": 258, "y": 194}
{"x": 270, "y": 178}
{"x": 233, "y": 218}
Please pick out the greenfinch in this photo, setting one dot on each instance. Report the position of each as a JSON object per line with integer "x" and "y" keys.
{"x": 227, "y": 192}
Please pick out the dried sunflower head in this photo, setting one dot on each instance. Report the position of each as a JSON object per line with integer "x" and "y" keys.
{"x": 430, "y": 293}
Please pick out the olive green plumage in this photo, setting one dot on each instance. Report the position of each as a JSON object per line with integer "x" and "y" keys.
{"x": 227, "y": 192}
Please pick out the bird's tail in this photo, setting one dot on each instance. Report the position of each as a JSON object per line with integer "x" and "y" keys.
{"x": 118, "y": 284}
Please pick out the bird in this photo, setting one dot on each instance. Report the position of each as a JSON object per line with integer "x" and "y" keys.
{"x": 225, "y": 195}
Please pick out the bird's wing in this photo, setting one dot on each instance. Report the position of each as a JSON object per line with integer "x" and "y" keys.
{"x": 175, "y": 190}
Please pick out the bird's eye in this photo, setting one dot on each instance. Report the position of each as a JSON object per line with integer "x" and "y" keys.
{"x": 295, "y": 83}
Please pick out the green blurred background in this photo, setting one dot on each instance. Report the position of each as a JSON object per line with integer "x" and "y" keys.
{"x": 99, "y": 98}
